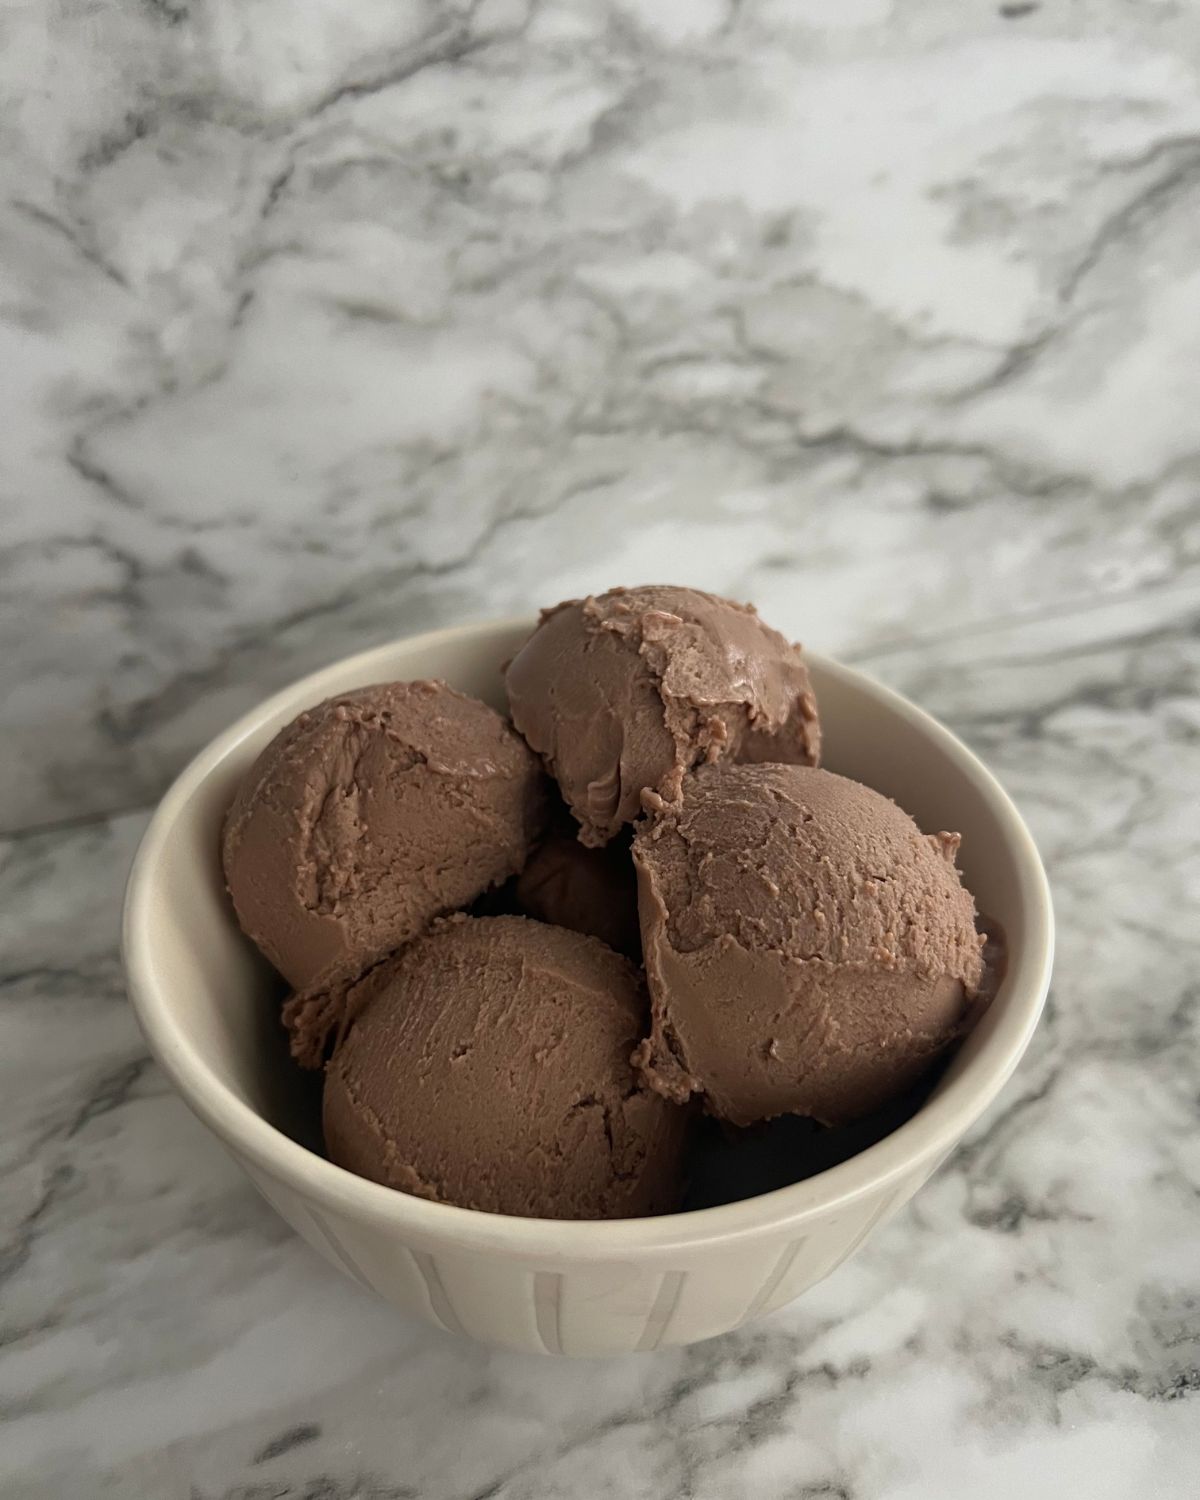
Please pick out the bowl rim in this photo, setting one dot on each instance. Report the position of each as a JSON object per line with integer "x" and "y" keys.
{"x": 925, "y": 1138}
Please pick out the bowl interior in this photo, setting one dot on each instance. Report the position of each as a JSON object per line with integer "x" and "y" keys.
{"x": 223, "y": 1001}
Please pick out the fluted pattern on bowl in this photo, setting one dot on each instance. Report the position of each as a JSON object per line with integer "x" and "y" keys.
{"x": 587, "y": 1308}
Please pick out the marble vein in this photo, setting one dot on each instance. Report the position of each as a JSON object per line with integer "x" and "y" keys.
{"x": 327, "y": 325}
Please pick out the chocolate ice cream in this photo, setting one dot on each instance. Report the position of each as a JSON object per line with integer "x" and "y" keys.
{"x": 587, "y": 890}
{"x": 487, "y": 1065}
{"x": 633, "y": 688}
{"x": 368, "y": 816}
{"x": 808, "y": 950}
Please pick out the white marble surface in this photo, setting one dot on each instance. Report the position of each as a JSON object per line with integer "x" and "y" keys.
{"x": 322, "y": 323}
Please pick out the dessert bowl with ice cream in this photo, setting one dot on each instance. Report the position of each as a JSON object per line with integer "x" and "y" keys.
{"x": 591, "y": 984}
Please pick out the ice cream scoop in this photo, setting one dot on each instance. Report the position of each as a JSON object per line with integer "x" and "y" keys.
{"x": 487, "y": 1065}
{"x": 368, "y": 816}
{"x": 808, "y": 949}
{"x": 587, "y": 890}
{"x": 633, "y": 688}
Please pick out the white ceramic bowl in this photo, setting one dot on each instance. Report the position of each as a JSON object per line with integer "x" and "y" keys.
{"x": 209, "y": 1010}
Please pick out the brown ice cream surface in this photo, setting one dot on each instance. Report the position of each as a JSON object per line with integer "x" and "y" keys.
{"x": 630, "y": 689}
{"x": 588, "y": 890}
{"x": 808, "y": 950}
{"x": 726, "y": 1165}
{"x": 487, "y": 1065}
{"x": 371, "y": 814}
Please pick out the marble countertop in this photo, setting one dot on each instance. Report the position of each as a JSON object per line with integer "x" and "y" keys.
{"x": 322, "y": 324}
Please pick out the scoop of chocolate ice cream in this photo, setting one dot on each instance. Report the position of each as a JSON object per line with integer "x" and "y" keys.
{"x": 368, "y": 816}
{"x": 587, "y": 890}
{"x": 632, "y": 688}
{"x": 487, "y": 1065}
{"x": 808, "y": 950}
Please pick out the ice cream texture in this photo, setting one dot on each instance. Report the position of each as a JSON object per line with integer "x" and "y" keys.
{"x": 808, "y": 949}
{"x": 368, "y": 816}
{"x": 488, "y": 1065}
{"x": 634, "y": 688}
{"x": 588, "y": 890}
{"x": 704, "y": 918}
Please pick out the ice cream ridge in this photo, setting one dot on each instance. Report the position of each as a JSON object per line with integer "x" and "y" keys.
{"x": 363, "y": 820}
{"x": 638, "y": 686}
{"x": 808, "y": 950}
{"x": 487, "y": 1064}
{"x": 529, "y": 953}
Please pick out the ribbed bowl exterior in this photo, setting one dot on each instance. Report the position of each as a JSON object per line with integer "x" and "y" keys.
{"x": 541, "y": 1306}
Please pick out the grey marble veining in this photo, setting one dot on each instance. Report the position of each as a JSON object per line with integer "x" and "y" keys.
{"x": 320, "y": 330}
{"x": 325, "y": 324}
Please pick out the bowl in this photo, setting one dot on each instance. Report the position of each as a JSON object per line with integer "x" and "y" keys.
{"x": 209, "y": 1008}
